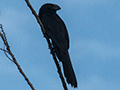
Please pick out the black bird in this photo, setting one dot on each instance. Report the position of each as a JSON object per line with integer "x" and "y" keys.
{"x": 57, "y": 32}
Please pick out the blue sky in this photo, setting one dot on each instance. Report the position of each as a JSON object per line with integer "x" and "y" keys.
{"x": 94, "y": 32}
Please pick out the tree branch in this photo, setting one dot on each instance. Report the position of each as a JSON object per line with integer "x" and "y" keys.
{"x": 49, "y": 44}
{"x": 8, "y": 50}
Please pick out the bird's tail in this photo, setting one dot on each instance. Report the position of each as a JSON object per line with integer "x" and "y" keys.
{"x": 68, "y": 69}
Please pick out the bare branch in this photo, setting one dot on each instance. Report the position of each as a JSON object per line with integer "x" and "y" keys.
{"x": 3, "y": 50}
{"x": 8, "y": 57}
{"x": 8, "y": 50}
{"x": 36, "y": 16}
{"x": 49, "y": 44}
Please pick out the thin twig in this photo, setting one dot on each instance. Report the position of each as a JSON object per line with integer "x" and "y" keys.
{"x": 49, "y": 44}
{"x": 8, "y": 57}
{"x": 35, "y": 14}
{"x": 8, "y": 50}
{"x": 3, "y": 50}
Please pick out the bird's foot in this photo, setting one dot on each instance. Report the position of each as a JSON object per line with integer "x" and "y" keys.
{"x": 52, "y": 50}
{"x": 46, "y": 35}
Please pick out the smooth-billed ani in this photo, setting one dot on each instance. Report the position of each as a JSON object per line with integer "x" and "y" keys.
{"x": 57, "y": 32}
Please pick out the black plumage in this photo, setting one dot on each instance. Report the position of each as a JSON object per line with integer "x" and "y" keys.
{"x": 57, "y": 32}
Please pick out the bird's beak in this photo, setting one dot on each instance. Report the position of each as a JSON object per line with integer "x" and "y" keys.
{"x": 56, "y": 7}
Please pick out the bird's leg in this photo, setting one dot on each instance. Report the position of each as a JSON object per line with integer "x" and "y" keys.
{"x": 51, "y": 43}
{"x": 53, "y": 49}
{"x": 46, "y": 35}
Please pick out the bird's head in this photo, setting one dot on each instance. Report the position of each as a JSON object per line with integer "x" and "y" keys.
{"x": 49, "y": 7}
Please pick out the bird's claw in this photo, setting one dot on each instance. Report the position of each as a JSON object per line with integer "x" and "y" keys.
{"x": 52, "y": 51}
{"x": 46, "y": 35}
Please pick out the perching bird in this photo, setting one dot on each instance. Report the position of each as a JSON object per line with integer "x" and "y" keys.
{"x": 57, "y": 32}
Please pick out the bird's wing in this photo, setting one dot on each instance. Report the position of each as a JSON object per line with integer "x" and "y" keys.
{"x": 56, "y": 30}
